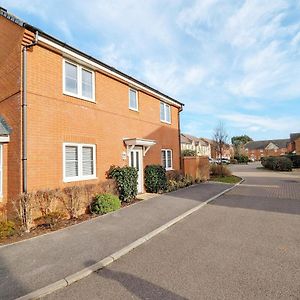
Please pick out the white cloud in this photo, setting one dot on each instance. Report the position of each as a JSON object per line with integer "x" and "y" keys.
{"x": 260, "y": 123}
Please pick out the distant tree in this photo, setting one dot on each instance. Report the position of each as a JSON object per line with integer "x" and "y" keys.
{"x": 238, "y": 142}
{"x": 220, "y": 138}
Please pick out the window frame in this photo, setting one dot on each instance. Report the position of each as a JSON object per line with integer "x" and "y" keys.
{"x": 80, "y": 177}
{"x": 79, "y": 81}
{"x": 137, "y": 99}
{"x": 166, "y": 151}
{"x": 165, "y": 112}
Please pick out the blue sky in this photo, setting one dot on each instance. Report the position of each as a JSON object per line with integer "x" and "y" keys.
{"x": 232, "y": 61}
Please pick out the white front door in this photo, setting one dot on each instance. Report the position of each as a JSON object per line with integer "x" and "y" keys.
{"x": 136, "y": 161}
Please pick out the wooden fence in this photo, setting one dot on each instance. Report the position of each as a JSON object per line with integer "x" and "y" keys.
{"x": 196, "y": 166}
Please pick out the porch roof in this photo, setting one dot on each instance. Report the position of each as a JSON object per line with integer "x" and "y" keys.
{"x": 145, "y": 143}
{"x": 139, "y": 142}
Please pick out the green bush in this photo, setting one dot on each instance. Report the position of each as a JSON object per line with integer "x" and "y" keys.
{"x": 126, "y": 179}
{"x": 104, "y": 204}
{"x": 242, "y": 159}
{"x": 7, "y": 229}
{"x": 277, "y": 163}
{"x": 155, "y": 179}
{"x": 295, "y": 160}
{"x": 188, "y": 152}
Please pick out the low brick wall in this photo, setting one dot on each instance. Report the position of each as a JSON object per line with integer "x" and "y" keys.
{"x": 196, "y": 166}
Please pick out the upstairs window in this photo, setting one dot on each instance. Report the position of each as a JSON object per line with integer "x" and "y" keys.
{"x": 165, "y": 112}
{"x": 78, "y": 81}
{"x": 79, "y": 162}
{"x": 133, "y": 100}
{"x": 166, "y": 159}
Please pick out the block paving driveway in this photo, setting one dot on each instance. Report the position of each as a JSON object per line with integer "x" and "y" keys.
{"x": 244, "y": 245}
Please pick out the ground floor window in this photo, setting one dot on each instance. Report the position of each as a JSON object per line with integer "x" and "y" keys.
{"x": 79, "y": 161}
{"x": 1, "y": 171}
{"x": 166, "y": 159}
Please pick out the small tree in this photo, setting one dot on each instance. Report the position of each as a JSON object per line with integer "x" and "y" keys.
{"x": 238, "y": 142}
{"x": 220, "y": 138}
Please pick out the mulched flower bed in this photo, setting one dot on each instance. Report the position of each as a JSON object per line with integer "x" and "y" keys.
{"x": 45, "y": 228}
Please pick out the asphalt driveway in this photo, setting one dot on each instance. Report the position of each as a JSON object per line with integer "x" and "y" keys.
{"x": 244, "y": 245}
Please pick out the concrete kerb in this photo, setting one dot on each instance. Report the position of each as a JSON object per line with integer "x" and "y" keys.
{"x": 111, "y": 258}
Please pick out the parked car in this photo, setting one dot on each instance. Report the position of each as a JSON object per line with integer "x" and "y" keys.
{"x": 224, "y": 161}
{"x": 212, "y": 160}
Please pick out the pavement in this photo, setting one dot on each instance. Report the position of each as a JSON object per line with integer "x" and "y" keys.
{"x": 243, "y": 245}
{"x": 35, "y": 263}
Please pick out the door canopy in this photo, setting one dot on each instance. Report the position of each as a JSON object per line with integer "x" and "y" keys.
{"x": 144, "y": 143}
{"x": 4, "y": 131}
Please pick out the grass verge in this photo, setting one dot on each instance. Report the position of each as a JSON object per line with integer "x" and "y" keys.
{"x": 226, "y": 179}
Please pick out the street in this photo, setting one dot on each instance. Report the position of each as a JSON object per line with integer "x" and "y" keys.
{"x": 243, "y": 245}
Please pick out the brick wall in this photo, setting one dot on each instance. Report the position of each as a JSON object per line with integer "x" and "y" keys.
{"x": 55, "y": 118}
{"x": 10, "y": 104}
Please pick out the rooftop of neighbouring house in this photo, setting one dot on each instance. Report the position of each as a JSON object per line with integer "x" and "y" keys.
{"x": 294, "y": 136}
{"x": 280, "y": 143}
{"x": 188, "y": 139}
{"x": 19, "y": 22}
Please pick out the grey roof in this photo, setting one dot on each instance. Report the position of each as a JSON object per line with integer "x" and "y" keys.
{"x": 281, "y": 143}
{"x": 18, "y": 21}
{"x": 188, "y": 139}
{"x": 294, "y": 136}
{"x": 4, "y": 128}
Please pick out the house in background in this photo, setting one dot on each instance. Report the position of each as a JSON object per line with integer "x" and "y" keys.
{"x": 66, "y": 117}
{"x": 227, "y": 150}
{"x": 255, "y": 150}
{"x": 201, "y": 146}
{"x": 295, "y": 143}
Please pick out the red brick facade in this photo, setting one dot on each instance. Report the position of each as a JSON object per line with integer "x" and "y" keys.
{"x": 55, "y": 118}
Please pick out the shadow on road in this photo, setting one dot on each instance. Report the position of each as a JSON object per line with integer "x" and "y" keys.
{"x": 138, "y": 287}
{"x": 10, "y": 286}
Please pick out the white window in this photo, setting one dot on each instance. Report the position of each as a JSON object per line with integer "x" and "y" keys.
{"x": 133, "y": 100}
{"x": 79, "y": 162}
{"x": 78, "y": 81}
{"x": 165, "y": 112}
{"x": 166, "y": 159}
{"x": 1, "y": 171}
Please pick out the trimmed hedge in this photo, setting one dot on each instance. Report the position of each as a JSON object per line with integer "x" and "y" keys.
{"x": 126, "y": 179}
{"x": 277, "y": 163}
{"x": 295, "y": 160}
{"x": 105, "y": 203}
{"x": 189, "y": 152}
{"x": 155, "y": 179}
{"x": 242, "y": 159}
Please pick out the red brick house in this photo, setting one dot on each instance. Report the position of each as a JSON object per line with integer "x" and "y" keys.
{"x": 66, "y": 117}
{"x": 255, "y": 150}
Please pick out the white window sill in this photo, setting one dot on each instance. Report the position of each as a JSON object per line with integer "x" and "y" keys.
{"x": 166, "y": 122}
{"x": 73, "y": 179}
{"x": 79, "y": 97}
{"x": 133, "y": 109}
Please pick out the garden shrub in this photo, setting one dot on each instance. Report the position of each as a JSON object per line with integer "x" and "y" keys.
{"x": 174, "y": 175}
{"x": 7, "y": 228}
{"x": 50, "y": 219}
{"x": 295, "y": 160}
{"x": 241, "y": 159}
{"x": 155, "y": 179}
{"x": 277, "y": 163}
{"x": 126, "y": 180}
{"x": 219, "y": 170}
{"x": 105, "y": 203}
{"x": 233, "y": 161}
{"x": 188, "y": 152}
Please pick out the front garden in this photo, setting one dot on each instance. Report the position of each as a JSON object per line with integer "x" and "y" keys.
{"x": 48, "y": 210}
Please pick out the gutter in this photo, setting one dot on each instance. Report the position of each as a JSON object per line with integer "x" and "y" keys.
{"x": 24, "y": 112}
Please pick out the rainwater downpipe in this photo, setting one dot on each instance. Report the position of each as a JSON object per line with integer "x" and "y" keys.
{"x": 24, "y": 113}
